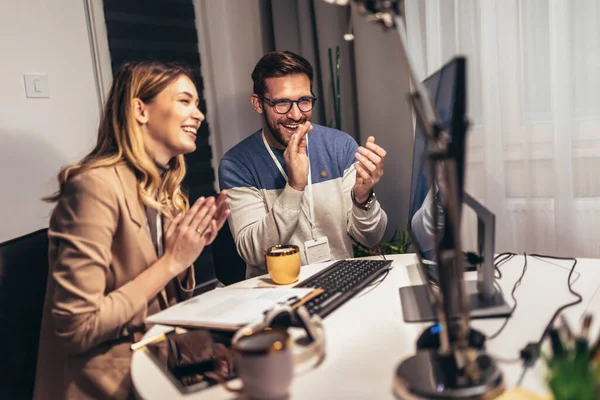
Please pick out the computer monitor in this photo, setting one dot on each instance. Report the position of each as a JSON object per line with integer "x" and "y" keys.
{"x": 447, "y": 89}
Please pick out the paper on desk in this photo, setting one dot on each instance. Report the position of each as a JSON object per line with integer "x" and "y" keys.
{"x": 226, "y": 308}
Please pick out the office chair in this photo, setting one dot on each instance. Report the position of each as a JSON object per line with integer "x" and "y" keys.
{"x": 23, "y": 276}
{"x": 229, "y": 266}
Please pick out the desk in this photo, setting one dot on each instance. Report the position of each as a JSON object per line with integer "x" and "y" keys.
{"x": 367, "y": 337}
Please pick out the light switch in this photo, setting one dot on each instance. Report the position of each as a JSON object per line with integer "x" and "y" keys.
{"x": 36, "y": 85}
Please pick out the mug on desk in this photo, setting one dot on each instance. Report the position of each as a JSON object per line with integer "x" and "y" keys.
{"x": 264, "y": 363}
{"x": 283, "y": 263}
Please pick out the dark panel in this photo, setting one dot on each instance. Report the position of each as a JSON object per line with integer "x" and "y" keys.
{"x": 202, "y": 152}
{"x": 147, "y": 19}
{"x": 123, "y": 43}
{"x": 204, "y": 267}
{"x": 197, "y": 191}
{"x": 162, "y": 8}
{"x": 151, "y": 32}
{"x": 120, "y": 55}
{"x": 199, "y": 180}
{"x": 165, "y": 30}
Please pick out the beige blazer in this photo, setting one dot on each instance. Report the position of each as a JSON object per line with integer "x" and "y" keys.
{"x": 99, "y": 242}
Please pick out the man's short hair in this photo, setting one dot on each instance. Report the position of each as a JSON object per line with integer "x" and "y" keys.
{"x": 276, "y": 64}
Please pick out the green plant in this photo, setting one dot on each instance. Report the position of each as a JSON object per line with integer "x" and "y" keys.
{"x": 335, "y": 88}
{"x": 571, "y": 376}
{"x": 398, "y": 244}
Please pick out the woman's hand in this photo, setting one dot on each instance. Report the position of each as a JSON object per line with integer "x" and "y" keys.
{"x": 188, "y": 234}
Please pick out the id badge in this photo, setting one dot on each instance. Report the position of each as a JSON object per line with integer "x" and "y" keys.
{"x": 317, "y": 250}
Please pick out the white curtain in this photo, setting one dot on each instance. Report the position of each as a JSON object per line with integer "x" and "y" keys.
{"x": 534, "y": 106}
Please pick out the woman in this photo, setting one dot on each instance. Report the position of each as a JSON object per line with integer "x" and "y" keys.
{"x": 110, "y": 264}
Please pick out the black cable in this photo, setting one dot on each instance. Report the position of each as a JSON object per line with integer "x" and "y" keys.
{"x": 378, "y": 281}
{"x": 512, "y": 294}
{"x": 565, "y": 306}
{"x": 506, "y": 257}
{"x": 506, "y": 253}
{"x": 530, "y": 353}
{"x": 561, "y": 267}
{"x": 525, "y": 368}
{"x": 504, "y": 260}
{"x": 373, "y": 285}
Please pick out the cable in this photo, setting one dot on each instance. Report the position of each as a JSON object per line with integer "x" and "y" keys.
{"x": 378, "y": 281}
{"x": 512, "y": 294}
{"x": 565, "y": 306}
{"x": 561, "y": 267}
{"x": 506, "y": 253}
{"x": 525, "y": 368}
{"x": 531, "y": 352}
{"x": 506, "y": 257}
{"x": 373, "y": 285}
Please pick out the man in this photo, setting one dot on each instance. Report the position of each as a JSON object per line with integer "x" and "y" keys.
{"x": 289, "y": 186}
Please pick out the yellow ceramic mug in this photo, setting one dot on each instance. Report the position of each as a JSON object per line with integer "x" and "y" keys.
{"x": 283, "y": 263}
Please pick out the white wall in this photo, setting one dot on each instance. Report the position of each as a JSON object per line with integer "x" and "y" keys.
{"x": 231, "y": 41}
{"x": 382, "y": 85}
{"x": 38, "y": 136}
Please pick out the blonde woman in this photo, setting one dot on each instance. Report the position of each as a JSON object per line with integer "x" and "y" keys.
{"x": 122, "y": 236}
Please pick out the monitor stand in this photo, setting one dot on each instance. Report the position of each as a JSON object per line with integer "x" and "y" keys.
{"x": 416, "y": 306}
{"x": 430, "y": 375}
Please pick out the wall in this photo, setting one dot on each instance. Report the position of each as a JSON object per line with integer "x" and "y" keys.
{"x": 38, "y": 136}
{"x": 294, "y": 31}
{"x": 382, "y": 86}
{"x": 232, "y": 37}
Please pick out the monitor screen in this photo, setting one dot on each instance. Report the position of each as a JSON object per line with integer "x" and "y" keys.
{"x": 446, "y": 89}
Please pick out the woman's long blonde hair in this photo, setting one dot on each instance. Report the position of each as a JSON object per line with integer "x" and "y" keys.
{"x": 120, "y": 139}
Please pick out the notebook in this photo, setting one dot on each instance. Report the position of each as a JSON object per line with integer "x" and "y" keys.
{"x": 227, "y": 308}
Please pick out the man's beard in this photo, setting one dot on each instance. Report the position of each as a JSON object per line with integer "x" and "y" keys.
{"x": 276, "y": 134}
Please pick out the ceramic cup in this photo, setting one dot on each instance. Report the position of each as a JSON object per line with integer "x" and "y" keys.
{"x": 283, "y": 263}
{"x": 265, "y": 364}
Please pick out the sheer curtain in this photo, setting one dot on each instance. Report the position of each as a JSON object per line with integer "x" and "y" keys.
{"x": 534, "y": 107}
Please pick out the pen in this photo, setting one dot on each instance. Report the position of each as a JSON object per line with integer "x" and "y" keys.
{"x": 155, "y": 339}
{"x": 307, "y": 298}
{"x": 147, "y": 341}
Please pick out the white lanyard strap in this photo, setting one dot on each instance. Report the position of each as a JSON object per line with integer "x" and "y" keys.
{"x": 311, "y": 207}
{"x": 274, "y": 158}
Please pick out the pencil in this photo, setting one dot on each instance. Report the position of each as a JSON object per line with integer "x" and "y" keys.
{"x": 148, "y": 341}
{"x": 155, "y": 339}
{"x": 307, "y": 298}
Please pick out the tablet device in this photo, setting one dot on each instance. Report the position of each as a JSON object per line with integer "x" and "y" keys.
{"x": 194, "y": 360}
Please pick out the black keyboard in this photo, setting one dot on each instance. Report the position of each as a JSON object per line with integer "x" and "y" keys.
{"x": 341, "y": 281}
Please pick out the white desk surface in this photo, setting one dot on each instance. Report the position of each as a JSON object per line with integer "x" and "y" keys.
{"x": 367, "y": 337}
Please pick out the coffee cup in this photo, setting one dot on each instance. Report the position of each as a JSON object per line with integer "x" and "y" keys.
{"x": 283, "y": 263}
{"x": 264, "y": 363}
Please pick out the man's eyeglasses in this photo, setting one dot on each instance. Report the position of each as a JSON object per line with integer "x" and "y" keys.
{"x": 283, "y": 106}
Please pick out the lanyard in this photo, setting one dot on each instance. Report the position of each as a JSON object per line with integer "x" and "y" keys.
{"x": 311, "y": 207}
